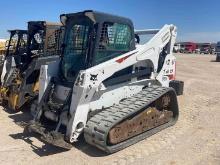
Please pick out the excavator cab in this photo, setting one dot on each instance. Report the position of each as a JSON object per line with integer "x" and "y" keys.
{"x": 20, "y": 81}
{"x": 105, "y": 86}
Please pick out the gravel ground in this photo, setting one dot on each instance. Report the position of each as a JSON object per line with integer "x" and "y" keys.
{"x": 193, "y": 140}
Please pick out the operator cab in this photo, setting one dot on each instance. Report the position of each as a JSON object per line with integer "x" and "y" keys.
{"x": 39, "y": 34}
{"x": 15, "y": 46}
{"x": 92, "y": 38}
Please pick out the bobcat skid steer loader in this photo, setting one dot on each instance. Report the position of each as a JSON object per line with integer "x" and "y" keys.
{"x": 107, "y": 87}
{"x": 21, "y": 70}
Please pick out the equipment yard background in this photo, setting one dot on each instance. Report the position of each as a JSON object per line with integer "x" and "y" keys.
{"x": 193, "y": 140}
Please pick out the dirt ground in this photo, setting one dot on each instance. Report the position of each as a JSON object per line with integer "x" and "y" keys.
{"x": 195, "y": 139}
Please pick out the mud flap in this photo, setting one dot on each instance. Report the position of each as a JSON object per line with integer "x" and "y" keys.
{"x": 177, "y": 86}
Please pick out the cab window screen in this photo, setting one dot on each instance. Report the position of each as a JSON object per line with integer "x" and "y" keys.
{"x": 22, "y": 44}
{"x": 75, "y": 51}
{"x": 37, "y": 42}
{"x": 114, "y": 40}
{"x": 23, "y": 41}
{"x": 13, "y": 43}
{"x": 54, "y": 40}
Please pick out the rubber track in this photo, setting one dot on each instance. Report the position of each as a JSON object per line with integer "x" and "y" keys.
{"x": 98, "y": 126}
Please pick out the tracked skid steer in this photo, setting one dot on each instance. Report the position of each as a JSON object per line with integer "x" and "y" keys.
{"x": 107, "y": 86}
{"x": 21, "y": 69}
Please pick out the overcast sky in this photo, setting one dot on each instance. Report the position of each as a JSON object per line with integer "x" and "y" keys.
{"x": 197, "y": 20}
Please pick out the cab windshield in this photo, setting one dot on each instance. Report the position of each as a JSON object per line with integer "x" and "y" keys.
{"x": 76, "y": 44}
{"x": 37, "y": 42}
{"x": 22, "y": 46}
{"x": 12, "y": 44}
{"x": 17, "y": 44}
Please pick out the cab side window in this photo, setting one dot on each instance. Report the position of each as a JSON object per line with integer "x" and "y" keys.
{"x": 114, "y": 40}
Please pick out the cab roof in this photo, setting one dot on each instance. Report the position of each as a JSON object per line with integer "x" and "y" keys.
{"x": 97, "y": 17}
{"x": 45, "y": 23}
{"x": 18, "y": 31}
